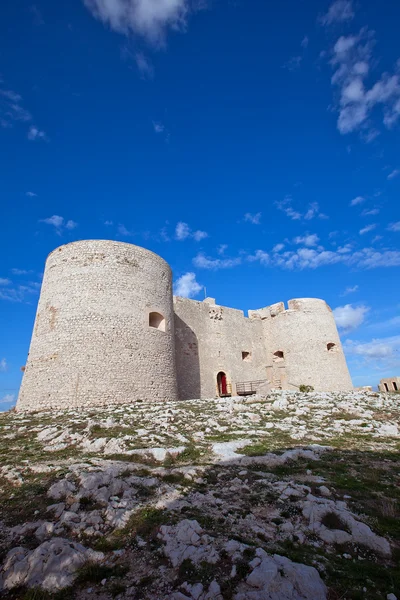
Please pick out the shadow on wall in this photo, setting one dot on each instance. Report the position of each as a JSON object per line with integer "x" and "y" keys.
{"x": 187, "y": 361}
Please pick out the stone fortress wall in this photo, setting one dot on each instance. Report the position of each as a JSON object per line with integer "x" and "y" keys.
{"x": 303, "y": 346}
{"x": 108, "y": 330}
{"x": 92, "y": 343}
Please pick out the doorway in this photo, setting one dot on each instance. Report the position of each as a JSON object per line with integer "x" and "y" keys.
{"x": 222, "y": 384}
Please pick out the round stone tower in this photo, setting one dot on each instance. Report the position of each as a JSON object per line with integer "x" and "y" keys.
{"x": 307, "y": 344}
{"x": 104, "y": 329}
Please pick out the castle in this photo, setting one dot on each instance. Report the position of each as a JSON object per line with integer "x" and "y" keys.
{"x": 108, "y": 330}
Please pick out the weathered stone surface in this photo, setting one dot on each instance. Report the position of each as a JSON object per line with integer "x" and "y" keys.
{"x": 52, "y": 565}
{"x": 278, "y": 578}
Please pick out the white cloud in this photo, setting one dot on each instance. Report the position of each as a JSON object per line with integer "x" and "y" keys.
{"x": 338, "y": 12}
{"x": 108, "y": 223}
{"x": 221, "y": 248}
{"x": 278, "y": 247}
{"x": 59, "y": 223}
{"x": 381, "y": 353}
{"x": 307, "y": 240}
{"x": 312, "y": 211}
{"x": 357, "y": 200}
{"x": 368, "y": 228}
{"x": 71, "y": 224}
{"x": 394, "y": 226}
{"x": 36, "y": 134}
{"x": 304, "y": 42}
{"x": 183, "y": 232}
{"x": 12, "y": 111}
{"x": 260, "y": 256}
{"x": 8, "y": 399}
{"x": 350, "y": 290}
{"x": 187, "y": 286}
{"x": 20, "y": 271}
{"x": 254, "y": 219}
{"x": 55, "y": 220}
{"x": 202, "y": 262}
{"x": 122, "y": 230}
{"x": 370, "y": 212}
{"x": 4, "y": 281}
{"x": 31, "y": 194}
{"x": 144, "y": 65}
{"x": 352, "y": 59}
{"x": 19, "y": 293}
{"x": 158, "y": 127}
{"x": 199, "y": 235}
{"x": 394, "y": 174}
{"x": 350, "y": 317}
{"x": 3, "y": 365}
{"x": 148, "y": 18}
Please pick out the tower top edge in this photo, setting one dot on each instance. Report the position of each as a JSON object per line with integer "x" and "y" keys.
{"x": 105, "y": 243}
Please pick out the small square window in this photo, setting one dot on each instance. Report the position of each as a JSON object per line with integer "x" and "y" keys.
{"x": 246, "y": 356}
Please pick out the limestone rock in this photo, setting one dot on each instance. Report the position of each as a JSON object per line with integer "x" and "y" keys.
{"x": 52, "y": 565}
{"x": 278, "y": 578}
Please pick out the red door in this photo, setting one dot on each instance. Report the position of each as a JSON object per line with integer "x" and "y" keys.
{"x": 222, "y": 386}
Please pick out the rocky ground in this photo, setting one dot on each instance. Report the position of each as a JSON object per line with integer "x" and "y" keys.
{"x": 287, "y": 497}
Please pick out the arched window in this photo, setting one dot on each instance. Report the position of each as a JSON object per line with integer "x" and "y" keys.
{"x": 331, "y": 347}
{"x": 279, "y": 356}
{"x": 157, "y": 321}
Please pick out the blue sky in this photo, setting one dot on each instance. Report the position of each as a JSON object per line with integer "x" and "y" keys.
{"x": 253, "y": 145}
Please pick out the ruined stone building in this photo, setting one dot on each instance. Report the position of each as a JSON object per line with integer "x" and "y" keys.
{"x": 391, "y": 384}
{"x": 108, "y": 330}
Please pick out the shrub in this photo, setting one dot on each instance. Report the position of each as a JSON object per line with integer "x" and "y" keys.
{"x": 306, "y": 388}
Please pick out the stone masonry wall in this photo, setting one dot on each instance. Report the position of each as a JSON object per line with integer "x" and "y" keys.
{"x": 92, "y": 343}
{"x": 211, "y": 338}
{"x": 307, "y": 336}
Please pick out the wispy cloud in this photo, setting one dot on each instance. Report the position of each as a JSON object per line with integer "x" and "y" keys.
{"x": 350, "y": 317}
{"x": 3, "y": 365}
{"x": 352, "y": 60}
{"x": 312, "y": 211}
{"x": 221, "y": 248}
{"x": 350, "y": 290}
{"x": 31, "y": 194}
{"x": 158, "y": 127}
{"x": 8, "y": 399}
{"x": 36, "y": 134}
{"x": 12, "y": 111}
{"x": 187, "y": 286}
{"x": 380, "y": 353}
{"x": 278, "y": 247}
{"x": 293, "y": 63}
{"x": 124, "y": 231}
{"x": 147, "y": 18}
{"x": 19, "y": 293}
{"x": 144, "y": 65}
{"x": 367, "y": 229}
{"x": 59, "y": 223}
{"x": 21, "y": 271}
{"x": 394, "y": 226}
{"x": 255, "y": 219}
{"x": 307, "y": 240}
{"x": 338, "y": 12}
{"x": 393, "y": 174}
{"x": 357, "y": 200}
{"x": 203, "y": 262}
{"x": 183, "y": 232}
{"x": 370, "y": 212}
{"x": 260, "y": 256}
{"x": 304, "y": 42}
